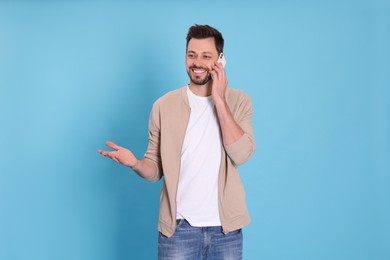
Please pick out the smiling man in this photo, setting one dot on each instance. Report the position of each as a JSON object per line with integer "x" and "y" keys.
{"x": 198, "y": 136}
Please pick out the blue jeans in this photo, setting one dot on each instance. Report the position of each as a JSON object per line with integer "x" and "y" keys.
{"x": 193, "y": 243}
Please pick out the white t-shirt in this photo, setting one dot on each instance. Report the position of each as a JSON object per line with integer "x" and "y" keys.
{"x": 197, "y": 195}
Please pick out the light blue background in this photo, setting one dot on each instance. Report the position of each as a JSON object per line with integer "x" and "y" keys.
{"x": 74, "y": 74}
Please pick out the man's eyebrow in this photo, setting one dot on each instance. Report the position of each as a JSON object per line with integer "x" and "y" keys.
{"x": 205, "y": 52}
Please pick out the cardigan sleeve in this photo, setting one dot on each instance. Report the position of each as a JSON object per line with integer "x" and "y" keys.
{"x": 241, "y": 150}
{"x": 153, "y": 152}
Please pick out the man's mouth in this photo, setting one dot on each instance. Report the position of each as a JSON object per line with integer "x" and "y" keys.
{"x": 198, "y": 70}
{"x": 199, "y": 75}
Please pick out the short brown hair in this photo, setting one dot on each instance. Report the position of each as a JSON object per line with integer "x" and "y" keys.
{"x": 205, "y": 31}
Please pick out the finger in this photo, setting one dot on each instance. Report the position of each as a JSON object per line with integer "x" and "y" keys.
{"x": 110, "y": 155}
{"x": 214, "y": 74}
{"x": 106, "y": 154}
{"x": 219, "y": 65}
{"x": 112, "y": 145}
{"x": 219, "y": 69}
{"x": 102, "y": 152}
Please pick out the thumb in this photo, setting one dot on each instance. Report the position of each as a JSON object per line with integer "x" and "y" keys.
{"x": 112, "y": 145}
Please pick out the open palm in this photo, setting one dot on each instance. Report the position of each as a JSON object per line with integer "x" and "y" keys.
{"x": 120, "y": 154}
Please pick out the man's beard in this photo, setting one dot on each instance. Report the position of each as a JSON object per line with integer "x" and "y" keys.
{"x": 197, "y": 80}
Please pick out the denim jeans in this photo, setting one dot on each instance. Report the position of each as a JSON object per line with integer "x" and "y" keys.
{"x": 196, "y": 243}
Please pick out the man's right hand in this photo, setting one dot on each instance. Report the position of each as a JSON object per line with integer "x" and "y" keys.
{"x": 120, "y": 155}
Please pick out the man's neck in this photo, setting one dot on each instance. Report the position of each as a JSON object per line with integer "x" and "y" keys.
{"x": 201, "y": 90}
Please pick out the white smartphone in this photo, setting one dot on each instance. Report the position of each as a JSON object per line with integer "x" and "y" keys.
{"x": 221, "y": 59}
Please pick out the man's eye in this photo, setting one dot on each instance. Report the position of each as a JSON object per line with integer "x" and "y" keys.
{"x": 190, "y": 56}
{"x": 207, "y": 57}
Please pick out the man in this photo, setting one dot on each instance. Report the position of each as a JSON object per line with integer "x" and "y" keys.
{"x": 198, "y": 135}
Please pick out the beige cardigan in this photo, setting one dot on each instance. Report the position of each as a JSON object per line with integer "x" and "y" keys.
{"x": 167, "y": 126}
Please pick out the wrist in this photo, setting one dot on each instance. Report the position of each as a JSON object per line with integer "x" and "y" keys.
{"x": 134, "y": 166}
{"x": 219, "y": 102}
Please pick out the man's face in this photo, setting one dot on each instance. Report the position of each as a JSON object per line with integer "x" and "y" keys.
{"x": 201, "y": 55}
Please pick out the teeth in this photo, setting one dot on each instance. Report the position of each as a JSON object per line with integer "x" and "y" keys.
{"x": 198, "y": 71}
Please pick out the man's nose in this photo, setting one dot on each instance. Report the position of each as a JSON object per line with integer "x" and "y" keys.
{"x": 197, "y": 62}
